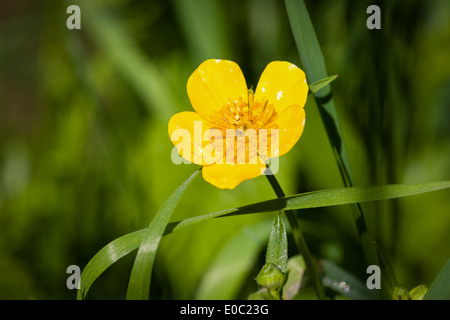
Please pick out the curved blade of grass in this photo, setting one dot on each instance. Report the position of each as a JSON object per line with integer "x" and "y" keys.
{"x": 314, "y": 64}
{"x": 140, "y": 278}
{"x": 120, "y": 247}
{"x": 440, "y": 288}
{"x": 106, "y": 257}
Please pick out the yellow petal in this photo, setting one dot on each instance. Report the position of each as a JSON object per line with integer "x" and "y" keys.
{"x": 228, "y": 176}
{"x": 282, "y": 84}
{"x": 289, "y": 127}
{"x": 195, "y": 138}
{"x": 213, "y": 85}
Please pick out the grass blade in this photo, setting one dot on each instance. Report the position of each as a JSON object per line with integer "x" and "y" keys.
{"x": 140, "y": 278}
{"x": 440, "y": 288}
{"x": 120, "y": 247}
{"x": 315, "y": 69}
{"x": 317, "y": 199}
{"x": 106, "y": 257}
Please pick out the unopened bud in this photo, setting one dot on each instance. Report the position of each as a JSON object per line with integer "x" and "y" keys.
{"x": 262, "y": 294}
{"x": 270, "y": 277}
{"x": 418, "y": 292}
{"x": 400, "y": 294}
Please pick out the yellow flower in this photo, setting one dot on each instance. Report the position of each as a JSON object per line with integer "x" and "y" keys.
{"x": 235, "y": 131}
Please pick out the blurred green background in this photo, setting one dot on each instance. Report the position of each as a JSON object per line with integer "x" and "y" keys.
{"x": 85, "y": 153}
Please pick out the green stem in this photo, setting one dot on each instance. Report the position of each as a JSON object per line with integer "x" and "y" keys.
{"x": 298, "y": 238}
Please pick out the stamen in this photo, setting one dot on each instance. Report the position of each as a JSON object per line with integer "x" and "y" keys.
{"x": 241, "y": 116}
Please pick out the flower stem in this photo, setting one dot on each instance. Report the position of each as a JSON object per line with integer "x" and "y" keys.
{"x": 298, "y": 237}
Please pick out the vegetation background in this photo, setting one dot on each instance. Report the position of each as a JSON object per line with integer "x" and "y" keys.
{"x": 85, "y": 153}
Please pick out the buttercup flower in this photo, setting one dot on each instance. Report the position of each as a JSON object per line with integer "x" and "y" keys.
{"x": 235, "y": 131}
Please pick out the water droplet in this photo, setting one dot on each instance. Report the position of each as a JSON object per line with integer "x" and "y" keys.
{"x": 344, "y": 286}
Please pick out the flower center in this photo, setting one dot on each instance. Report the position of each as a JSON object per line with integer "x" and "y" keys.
{"x": 247, "y": 130}
{"x": 242, "y": 116}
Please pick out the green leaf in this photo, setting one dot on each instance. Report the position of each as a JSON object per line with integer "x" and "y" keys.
{"x": 316, "y": 86}
{"x": 440, "y": 288}
{"x": 140, "y": 278}
{"x": 107, "y": 256}
{"x": 277, "y": 247}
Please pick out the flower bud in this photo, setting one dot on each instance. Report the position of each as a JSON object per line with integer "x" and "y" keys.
{"x": 418, "y": 292}
{"x": 400, "y": 294}
{"x": 262, "y": 294}
{"x": 270, "y": 277}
